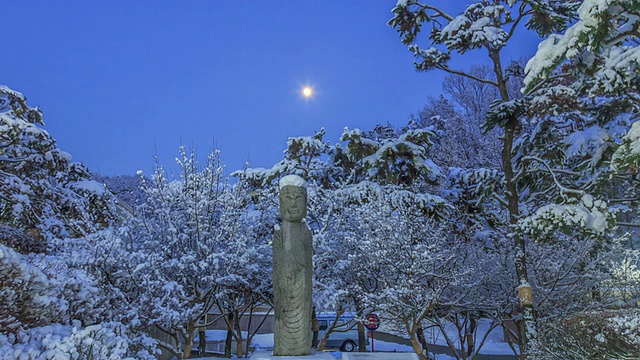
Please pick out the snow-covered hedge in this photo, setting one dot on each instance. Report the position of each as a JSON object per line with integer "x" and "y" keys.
{"x": 40, "y": 296}
{"x": 25, "y": 300}
{"x": 591, "y": 335}
{"x": 56, "y": 341}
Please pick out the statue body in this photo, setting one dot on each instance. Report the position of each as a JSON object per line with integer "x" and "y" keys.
{"x": 292, "y": 270}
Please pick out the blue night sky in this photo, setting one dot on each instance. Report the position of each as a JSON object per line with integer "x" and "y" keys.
{"x": 119, "y": 81}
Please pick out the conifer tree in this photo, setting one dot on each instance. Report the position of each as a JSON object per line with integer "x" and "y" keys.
{"x": 486, "y": 25}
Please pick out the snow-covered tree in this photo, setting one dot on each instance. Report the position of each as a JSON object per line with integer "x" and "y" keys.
{"x": 193, "y": 243}
{"x": 384, "y": 154}
{"x": 592, "y": 335}
{"x": 602, "y": 47}
{"x": 387, "y": 156}
{"x": 594, "y": 62}
{"x": 42, "y": 191}
{"x": 43, "y": 297}
{"x": 458, "y": 139}
{"x": 490, "y": 25}
{"x": 53, "y": 304}
{"x": 95, "y": 342}
{"x": 390, "y": 255}
{"x": 586, "y": 79}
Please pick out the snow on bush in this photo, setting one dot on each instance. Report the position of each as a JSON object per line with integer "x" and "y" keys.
{"x": 41, "y": 299}
{"x": 24, "y": 296}
{"x": 591, "y": 335}
{"x": 56, "y": 341}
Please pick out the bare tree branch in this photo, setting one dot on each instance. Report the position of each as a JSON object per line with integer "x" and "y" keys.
{"x": 462, "y": 73}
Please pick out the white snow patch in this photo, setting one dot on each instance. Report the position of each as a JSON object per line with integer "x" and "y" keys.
{"x": 90, "y": 186}
{"x": 292, "y": 180}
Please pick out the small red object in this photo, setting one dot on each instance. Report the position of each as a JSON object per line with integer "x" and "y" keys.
{"x": 372, "y": 321}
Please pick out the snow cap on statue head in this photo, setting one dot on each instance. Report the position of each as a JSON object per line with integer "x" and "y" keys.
{"x": 293, "y": 180}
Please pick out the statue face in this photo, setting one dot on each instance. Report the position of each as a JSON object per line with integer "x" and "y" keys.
{"x": 293, "y": 203}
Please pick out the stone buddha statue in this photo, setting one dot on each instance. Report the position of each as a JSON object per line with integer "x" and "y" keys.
{"x": 292, "y": 270}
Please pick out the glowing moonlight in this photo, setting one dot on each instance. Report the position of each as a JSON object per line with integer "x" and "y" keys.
{"x": 307, "y": 91}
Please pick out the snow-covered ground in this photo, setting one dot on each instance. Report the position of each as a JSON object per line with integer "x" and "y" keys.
{"x": 494, "y": 344}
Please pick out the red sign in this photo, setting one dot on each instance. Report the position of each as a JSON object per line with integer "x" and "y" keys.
{"x": 371, "y": 321}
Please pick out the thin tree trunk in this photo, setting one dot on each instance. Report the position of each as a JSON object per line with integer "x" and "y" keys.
{"x": 229, "y": 340}
{"x": 202, "y": 345}
{"x": 471, "y": 346}
{"x": 249, "y": 331}
{"x": 323, "y": 341}
{"x": 239, "y": 342}
{"x": 411, "y": 327}
{"x": 520, "y": 246}
{"x": 512, "y": 197}
{"x": 315, "y": 328}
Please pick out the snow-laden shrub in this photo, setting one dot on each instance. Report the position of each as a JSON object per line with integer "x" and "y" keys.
{"x": 41, "y": 299}
{"x": 25, "y": 299}
{"x": 590, "y": 335}
{"x": 42, "y": 289}
{"x": 97, "y": 342}
{"x": 21, "y": 241}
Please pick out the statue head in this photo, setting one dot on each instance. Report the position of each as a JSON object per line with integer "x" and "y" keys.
{"x": 293, "y": 198}
{"x": 293, "y": 203}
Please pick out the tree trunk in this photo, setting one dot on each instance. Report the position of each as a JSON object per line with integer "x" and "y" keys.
{"x": 512, "y": 197}
{"x": 417, "y": 347}
{"x": 239, "y": 349}
{"x": 323, "y": 341}
{"x": 202, "y": 344}
{"x": 421, "y": 339}
{"x": 471, "y": 346}
{"x": 239, "y": 342}
{"x": 520, "y": 246}
{"x": 362, "y": 338}
{"x": 315, "y": 328}
{"x": 250, "y": 332}
{"x": 188, "y": 343}
{"x": 229, "y": 340}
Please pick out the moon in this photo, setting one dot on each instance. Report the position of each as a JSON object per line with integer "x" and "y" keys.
{"x": 307, "y": 91}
